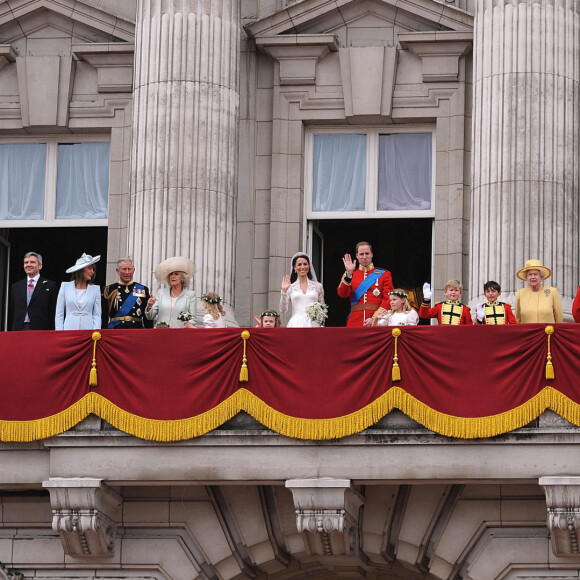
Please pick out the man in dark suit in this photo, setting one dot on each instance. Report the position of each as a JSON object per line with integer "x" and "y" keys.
{"x": 34, "y": 298}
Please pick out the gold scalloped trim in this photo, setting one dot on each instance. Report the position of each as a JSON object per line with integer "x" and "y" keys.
{"x": 294, "y": 427}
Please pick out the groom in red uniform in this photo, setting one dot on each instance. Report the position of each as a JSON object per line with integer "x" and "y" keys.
{"x": 367, "y": 287}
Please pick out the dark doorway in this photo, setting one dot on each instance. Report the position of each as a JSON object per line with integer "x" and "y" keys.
{"x": 60, "y": 248}
{"x": 402, "y": 246}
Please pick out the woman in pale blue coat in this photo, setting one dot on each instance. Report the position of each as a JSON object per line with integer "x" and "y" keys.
{"x": 173, "y": 305}
{"x": 78, "y": 306}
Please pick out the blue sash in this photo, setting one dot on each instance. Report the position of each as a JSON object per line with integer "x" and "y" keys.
{"x": 366, "y": 284}
{"x": 127, "y": 306}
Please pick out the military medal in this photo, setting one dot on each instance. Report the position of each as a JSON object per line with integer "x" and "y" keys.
{"x": 376, "y": 292}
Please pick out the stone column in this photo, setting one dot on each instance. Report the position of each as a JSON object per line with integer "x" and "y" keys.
{"x": 185, "y": 133}
{"x": 526, "y": 142}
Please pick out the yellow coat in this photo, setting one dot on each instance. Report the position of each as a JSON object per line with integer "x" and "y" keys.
{"x": 542, "y": 306}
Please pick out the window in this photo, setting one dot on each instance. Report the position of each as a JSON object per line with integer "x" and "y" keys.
{"x": 369, "y": 173}
{"x": 54, "y": 182}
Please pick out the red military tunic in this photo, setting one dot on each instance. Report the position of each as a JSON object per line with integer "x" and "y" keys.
{"x": 463, "y": 315}
{"x": 499, "y": 315}
{"x": 375, "y": 298}
{"x": 576, "y": 306}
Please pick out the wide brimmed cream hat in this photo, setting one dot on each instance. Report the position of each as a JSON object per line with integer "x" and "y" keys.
{"x": 534, "y": 265}
{"x": 175, "y": 264}
{"x": 84, "y": 261}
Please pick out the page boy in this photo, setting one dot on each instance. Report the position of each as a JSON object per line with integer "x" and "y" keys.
{"x": 494, "y": 312}
{"x": 450, "y": 312}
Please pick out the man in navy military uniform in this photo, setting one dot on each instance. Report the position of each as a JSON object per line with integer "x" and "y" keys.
{"x": 125, "y": 300}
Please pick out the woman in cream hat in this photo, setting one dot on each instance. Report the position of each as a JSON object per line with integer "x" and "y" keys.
{"x": 78, "y": 306}
{"x": 537, "y": 302}
{"x": 175, "y": 306}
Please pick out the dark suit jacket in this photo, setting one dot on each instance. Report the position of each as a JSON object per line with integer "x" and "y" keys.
{"x": 42, "y": 307}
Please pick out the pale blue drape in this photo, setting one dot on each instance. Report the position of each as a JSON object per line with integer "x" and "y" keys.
{"x": 339, "y": 174}
{"x": 404, "y": 171}
{"x": 22, "y": 181}
{"x": 82, "y": 185}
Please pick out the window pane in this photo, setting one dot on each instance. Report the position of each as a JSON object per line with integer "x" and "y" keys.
{"x": 404, "y": 171}
{"x": 82, "y": 184}
{"x": 22, "y": 178}
{"x": 339, "y": 173}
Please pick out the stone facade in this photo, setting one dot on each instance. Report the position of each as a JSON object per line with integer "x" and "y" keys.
{"x": 209, "y": 108}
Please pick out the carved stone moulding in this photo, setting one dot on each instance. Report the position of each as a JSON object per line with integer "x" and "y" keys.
{"x": 85, "y": 513}
{"x": 329, "y": 508}
{"x": 563, "y": 504}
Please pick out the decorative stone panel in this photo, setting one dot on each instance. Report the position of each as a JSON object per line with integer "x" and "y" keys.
{"x": 85, "y": 514}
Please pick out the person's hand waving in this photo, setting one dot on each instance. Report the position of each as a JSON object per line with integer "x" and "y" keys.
{"x": 349, "y": 265}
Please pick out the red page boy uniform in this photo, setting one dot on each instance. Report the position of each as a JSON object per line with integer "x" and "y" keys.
{"x": 448, "y": 312}
{"x": 451, "y": 312}
{"x": 368, "y": 291}
{"x": 495, "y": 313}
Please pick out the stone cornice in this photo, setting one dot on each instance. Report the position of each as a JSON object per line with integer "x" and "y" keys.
{"x": 439, "y": 52}
{"x": 298, "y": 55}
{"x": 7, "y": 55}
{"x": 114, "y": 64}
{"x": 293, "y": 17}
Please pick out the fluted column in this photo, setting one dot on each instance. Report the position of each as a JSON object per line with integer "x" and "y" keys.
{"x": 185, "y": 131}
{"x": 525, "y": 162}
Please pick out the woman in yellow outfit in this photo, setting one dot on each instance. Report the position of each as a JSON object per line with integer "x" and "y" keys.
{"x": 537, "y": 302}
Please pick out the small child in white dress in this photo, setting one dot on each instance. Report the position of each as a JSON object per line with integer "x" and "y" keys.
{"x": 401, "y": 313}
{"x": 214, "y": 317}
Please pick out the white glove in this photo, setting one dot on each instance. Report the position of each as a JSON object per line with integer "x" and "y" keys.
{"x": 480, "y": 312}
{"x": 427, "y": 292}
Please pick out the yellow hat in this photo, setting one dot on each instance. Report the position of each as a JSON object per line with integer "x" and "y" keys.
{"x": 534, "y": 265}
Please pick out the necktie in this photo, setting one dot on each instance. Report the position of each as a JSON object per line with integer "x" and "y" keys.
{"x": 30, "y": 291}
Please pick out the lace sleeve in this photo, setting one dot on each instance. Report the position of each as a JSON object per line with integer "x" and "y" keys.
{"x": 284, "y": 299}
{"x": 320, "y": 294}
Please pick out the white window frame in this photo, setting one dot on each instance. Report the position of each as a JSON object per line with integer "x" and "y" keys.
{"x": 50, "y": 221}
{"x": 372, "y": 172}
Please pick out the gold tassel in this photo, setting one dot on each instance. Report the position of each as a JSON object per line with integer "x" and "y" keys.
{"x": 93, "y": 374}
{"x": 396, "y": 332}
{"x": 244, "y": 369}
{"x": 549, "y": 330}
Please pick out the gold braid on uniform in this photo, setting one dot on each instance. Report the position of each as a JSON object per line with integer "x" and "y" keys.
{"x": 110, "y": 297}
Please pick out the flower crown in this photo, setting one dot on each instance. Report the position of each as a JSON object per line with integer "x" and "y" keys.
{"x": 210, "y": 300}
{"x": 269, "y": 313}
{"x": 398, "y": 293}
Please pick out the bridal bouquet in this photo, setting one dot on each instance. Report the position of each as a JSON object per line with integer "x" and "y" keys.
{"x": 317, "y": 313}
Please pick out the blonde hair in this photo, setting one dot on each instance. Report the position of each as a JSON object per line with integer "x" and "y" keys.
{"x": 406, "y": 305}
{"x": 454, "y": 284}
{"x": 213, "y": 308}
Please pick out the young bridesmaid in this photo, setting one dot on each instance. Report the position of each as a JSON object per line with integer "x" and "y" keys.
{"x": 401, "y": 313}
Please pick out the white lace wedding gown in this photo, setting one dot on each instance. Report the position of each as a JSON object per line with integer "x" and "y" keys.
{"x": 300, "y": 300}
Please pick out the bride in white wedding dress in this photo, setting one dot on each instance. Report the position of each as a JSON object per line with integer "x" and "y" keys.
{"x": 302, "y": 290}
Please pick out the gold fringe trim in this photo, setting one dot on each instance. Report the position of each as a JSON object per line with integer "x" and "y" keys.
{"x": 47, "y": 426}
{"x": 295, "y": 427}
